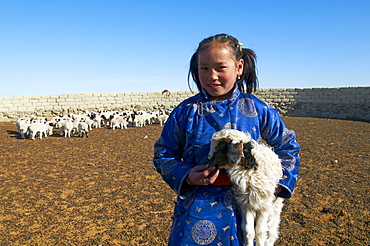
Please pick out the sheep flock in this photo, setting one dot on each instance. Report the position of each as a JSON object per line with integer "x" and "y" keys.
{"x": 81, "y": 124}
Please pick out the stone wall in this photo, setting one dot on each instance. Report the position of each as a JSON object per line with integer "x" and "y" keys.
{"x": 342, "y": 103}
{"x": 336, "y": 103}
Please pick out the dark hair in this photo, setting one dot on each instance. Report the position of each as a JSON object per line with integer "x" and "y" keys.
{"x": 248, "y": 80}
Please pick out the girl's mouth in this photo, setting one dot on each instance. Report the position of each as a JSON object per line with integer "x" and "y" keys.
{"x": 214, "y": 86}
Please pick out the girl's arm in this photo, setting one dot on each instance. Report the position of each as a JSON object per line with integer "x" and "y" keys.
{"x": 168, "y": 156}
{"x": 283, "y": 140}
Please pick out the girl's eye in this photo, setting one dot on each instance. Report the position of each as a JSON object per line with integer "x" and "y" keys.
{"x": 203, "y": 68}
{"x": 221, "y": 67}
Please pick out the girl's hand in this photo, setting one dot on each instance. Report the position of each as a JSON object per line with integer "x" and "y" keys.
{"x": 278, "y": 190}
{"x": 202, "y": 175}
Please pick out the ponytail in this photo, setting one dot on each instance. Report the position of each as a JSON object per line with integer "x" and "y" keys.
{"x": 193, "y": 71}
{"x": 248, "y": 81}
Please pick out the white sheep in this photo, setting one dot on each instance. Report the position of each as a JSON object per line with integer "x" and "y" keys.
{"x": 96, "y": 117}
{"x": 83, "y": 129}
{"x": 37, "y": 127}
{"x": 106, "y": 117}
{"x": 120, "y": 121}
{"x": 76, "y": 120}
{"x": 140, "y": 120}
{"x": 90, "y": 123}
{"x": 48, "y": 129}
{"x": 65, "y": 126}
{"x": 162, "y": 119}
{"x": 255, "y": 171}
{"x": 22, "y": 126}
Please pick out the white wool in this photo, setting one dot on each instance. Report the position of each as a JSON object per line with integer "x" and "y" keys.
{"x": 83, "y": 129}
{"x": 254, "y": 188}
{"x": 37, "y": 128}
{"x": 65, "y": 127}
{"x": 119, "y": 122}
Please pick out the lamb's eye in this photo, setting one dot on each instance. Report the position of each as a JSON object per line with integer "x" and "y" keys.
{"x": 222, "y": 147}
{"x": 247, "y": 147}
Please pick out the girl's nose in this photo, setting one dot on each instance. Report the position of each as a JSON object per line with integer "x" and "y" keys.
{"x": 214, "y": 75}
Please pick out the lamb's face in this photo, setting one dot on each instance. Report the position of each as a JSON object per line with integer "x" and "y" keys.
{"x": 229, "y": 153}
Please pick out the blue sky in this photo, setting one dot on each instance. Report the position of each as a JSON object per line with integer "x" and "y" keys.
{"x": 55, "y": 47}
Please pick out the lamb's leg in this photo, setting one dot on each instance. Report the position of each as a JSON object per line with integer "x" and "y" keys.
{"x": 244, "y": 227}
{"x": 261, "y": 227}
{"x": 250, "y": 216}
{"x": 274, "y": 222}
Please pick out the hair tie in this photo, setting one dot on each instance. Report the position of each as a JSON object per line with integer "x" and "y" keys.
{"x": 240, "y": 45}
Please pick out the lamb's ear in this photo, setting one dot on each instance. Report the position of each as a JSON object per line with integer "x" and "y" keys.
{"x": 249, "y": 159}
{"x": 212, "y": 150}
{"x": 212, "y": 161}
{"x": 234, "y": 153}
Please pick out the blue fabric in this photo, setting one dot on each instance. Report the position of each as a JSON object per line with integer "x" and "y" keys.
{"x": 207, "y": 215}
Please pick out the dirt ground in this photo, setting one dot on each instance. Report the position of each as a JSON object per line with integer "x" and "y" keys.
{"x": 103, "y": 190}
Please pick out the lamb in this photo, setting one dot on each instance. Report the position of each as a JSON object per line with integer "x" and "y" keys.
{"x": 76, "y": 120}
{"x": 255, "y": 171}
{"x": 83, "y": 129}
{"x": 48, "y": 129}
{"x": 120, "y": 122}
{"x": 65, "y": 127}
{"x": 96, "y": 119}
{"x": 139, "y": 118}
{"x": 152, "y": 117}
{"x": 22, "y": 126}
{"x": 162, "y": 119}
{"x": 107, "y": 118}
{"x": 89, "y": 122}
{"x": 37, "y": 127}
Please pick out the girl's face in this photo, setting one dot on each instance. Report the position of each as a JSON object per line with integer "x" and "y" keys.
{"x": 218, "y": 71}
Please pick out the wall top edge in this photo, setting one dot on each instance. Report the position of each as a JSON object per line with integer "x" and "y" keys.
{"x": 176, "y": 92}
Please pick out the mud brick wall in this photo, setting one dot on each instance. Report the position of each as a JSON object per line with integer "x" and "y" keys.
{"x": 341, "y": 103}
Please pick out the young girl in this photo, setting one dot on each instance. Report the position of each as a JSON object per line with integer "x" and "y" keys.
{"x": 225, "y": 74}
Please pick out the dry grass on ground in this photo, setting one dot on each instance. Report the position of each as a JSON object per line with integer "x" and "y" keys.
{"x": 103, "y": 190}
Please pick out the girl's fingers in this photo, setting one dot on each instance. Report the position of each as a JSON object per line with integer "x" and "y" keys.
{"x": 203, "y": 175}
{"x": 209, "y": 171}
{"x": 213, "y": 176}
{"x": 200, "y": 168}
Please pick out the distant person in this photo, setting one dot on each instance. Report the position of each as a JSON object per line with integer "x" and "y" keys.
{"x": 225, "y": 74}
